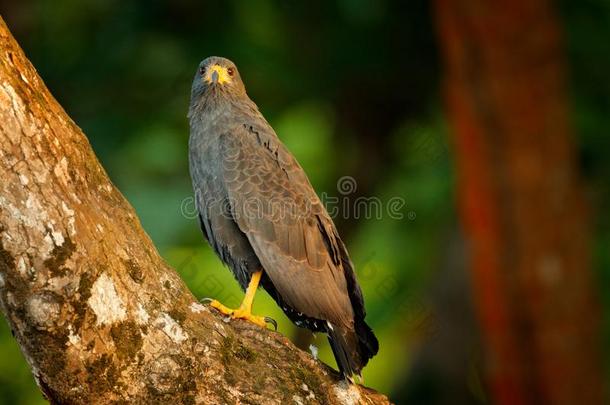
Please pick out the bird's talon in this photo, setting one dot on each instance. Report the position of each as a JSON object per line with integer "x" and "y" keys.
{"x": 239, "y": 313}
{"x": 206, "y": 300}
{"x": 271, "y": 321}
{"x": 219, "y": 307}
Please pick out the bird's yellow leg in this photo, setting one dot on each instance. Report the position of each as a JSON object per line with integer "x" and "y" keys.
{"x": 245, "y": 309}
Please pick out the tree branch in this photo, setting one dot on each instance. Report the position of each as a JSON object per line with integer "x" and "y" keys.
{"x": 99, "y": 316}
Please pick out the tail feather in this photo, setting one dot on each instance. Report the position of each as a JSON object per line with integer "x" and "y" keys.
{"x": 352, "y": 347}
{"x": 369, "y": 346}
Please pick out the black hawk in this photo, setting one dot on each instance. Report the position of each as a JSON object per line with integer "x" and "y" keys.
{"x": 262, "y": 217}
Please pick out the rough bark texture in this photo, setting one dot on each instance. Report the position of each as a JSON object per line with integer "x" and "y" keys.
{"x": 99, "y": 316}
{"x": 521, "y": 200}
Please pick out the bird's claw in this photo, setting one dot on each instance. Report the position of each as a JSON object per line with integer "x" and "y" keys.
{"x": 272, "y": 322}
{"x": 239, "y": 313}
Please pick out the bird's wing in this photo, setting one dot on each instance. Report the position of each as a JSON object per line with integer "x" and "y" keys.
{"x": 274, "y": 204}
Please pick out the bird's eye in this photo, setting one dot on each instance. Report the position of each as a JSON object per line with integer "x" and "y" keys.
{"x": 202, "y": 70}
{"x": 231, "y": 71}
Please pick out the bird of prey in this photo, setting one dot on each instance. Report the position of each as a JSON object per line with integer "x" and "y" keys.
{"x": 262, "y": 217}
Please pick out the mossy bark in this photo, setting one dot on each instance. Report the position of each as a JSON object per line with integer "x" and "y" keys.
{"x": 99, "y": 316}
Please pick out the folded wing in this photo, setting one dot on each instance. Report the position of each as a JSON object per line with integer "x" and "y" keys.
{"x": 274, "y": 204}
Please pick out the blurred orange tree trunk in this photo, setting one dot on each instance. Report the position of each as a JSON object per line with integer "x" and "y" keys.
{"x": 520, "y": 200}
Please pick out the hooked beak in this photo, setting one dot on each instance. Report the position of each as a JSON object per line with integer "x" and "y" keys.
{"x": 217, "y": 74}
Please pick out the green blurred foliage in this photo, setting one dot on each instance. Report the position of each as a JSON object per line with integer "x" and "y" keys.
{"x": 350, "y": 86}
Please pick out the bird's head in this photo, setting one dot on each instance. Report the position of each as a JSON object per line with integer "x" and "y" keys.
{"x": 217, "y": 76}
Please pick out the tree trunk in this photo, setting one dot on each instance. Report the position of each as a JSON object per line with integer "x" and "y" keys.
{"x": 99, "y": 316}
{"x": 521, "y": 200}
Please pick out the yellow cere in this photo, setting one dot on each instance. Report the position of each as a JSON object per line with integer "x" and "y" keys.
{"x": 223, "y": 75}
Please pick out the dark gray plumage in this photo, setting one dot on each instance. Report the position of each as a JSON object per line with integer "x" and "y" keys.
{"x": 259, "y": 211}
